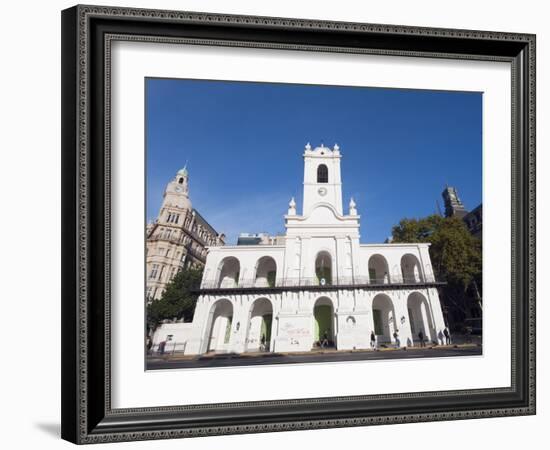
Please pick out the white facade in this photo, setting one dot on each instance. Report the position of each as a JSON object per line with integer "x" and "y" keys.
{"x": 320, "y": 287}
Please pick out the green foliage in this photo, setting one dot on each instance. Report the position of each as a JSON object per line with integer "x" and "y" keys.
{"x": 178, "y": 300}
{"x": 455, "y": 253}
{"x": 416, "y": 230}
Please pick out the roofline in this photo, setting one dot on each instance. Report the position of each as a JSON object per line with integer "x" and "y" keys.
{"x": 475, "y": 209}
{"x": 205, "y": 221}
{"x": 398, "y": 244}
{"x": 247, "y": 247}
{"x": 265, "y": 246}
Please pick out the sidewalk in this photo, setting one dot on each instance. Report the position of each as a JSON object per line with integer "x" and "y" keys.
{"x": 313, "y": 352}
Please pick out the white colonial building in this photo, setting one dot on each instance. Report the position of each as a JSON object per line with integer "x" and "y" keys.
{"x": 315, "y": 284}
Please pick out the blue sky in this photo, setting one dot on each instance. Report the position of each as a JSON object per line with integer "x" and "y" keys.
{"x": 243, "y": 144}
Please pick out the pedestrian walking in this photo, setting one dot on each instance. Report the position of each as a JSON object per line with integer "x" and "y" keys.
{"x": 373, "y": 340}
{"x": 396, "y": 337}
{"x": 162, "y": 345}
{"x": 262, "y": 343}
{"x": 447, "y": 336}
{"x": 324, "y": 343}
{"x": 421, "y": 337}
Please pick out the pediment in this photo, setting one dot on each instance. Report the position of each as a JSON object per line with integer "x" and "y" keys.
{"x": 323, "y": 214}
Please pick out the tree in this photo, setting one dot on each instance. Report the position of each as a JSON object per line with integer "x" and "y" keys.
{"x": 178, "y": 300}
{"x": 416, "y": 230}
{"x": 454, "y": 252}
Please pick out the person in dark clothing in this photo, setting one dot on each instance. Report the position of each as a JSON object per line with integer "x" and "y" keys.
{"x": 421, "y": 337}
{"x": 447, "y": 336}
{"x": 262, "y": 343}
{"x": 396, "y": 337}
{"x": 324, "y": 343}
{"x": 162, "y": 346}
{"x": 373, "y": 340}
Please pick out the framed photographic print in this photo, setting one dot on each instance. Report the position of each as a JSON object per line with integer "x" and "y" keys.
{"x": 278, "y": 224}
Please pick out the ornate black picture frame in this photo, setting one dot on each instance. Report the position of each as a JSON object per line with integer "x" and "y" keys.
{"x": 87, "y": 34}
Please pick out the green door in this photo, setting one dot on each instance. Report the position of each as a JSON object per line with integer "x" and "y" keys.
{"x": 372, "y": 275}
{"x": 266, "y": 328}
{"x": 378, "y": 324}
{"x": 227, "y": 334}
{"x": 271, "y": 278}
{"x": 323, "y": 322}
{"x": 412, "y": 322}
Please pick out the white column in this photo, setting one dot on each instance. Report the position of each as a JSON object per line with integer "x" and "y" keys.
{"x": 425, "y": 262}
{"x": 241, "y": 317}
{"x": 307, "y": 269}
{"x": 402, "y": 318}
{"x": 426, "y": 323}
{"x": 437, "y": 312}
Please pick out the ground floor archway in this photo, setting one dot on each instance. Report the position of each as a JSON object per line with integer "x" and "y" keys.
{"x": 260, "y": 324}
{"x": 383, "y": 315}
{"x": 420, "y": 317}
{"x": 220, "y": 321}
{"x": 323, "y": 323}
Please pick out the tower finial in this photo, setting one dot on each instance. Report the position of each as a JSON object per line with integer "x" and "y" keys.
{"x": 292, "y": 207}
{"x": 308, "y": 146}
{"x": 352, "y": 207}
{"x": 183, "y": 172}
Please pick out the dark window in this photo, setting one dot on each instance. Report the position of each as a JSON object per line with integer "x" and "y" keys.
{"x": 180, "y": 181}
{"x": 322, "y": 174}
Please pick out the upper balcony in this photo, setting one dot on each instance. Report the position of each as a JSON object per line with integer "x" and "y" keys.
{"x": 315, "y": 283}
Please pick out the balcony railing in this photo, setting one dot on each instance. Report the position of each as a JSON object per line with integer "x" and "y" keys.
{"x": 316, "y": 283}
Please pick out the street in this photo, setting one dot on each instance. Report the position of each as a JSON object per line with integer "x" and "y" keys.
{"x": 228, "y": 359}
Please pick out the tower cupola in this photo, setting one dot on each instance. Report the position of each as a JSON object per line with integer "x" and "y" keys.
{"x": 322, "y": 182}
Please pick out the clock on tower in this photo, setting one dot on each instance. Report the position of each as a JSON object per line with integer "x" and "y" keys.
{"x": 322, "y": 182}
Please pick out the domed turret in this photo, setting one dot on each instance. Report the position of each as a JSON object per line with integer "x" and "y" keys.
{"x": 177, "y": 191}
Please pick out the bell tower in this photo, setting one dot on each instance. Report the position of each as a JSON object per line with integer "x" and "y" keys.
{"x": 176, "y": 198}
{"x": 322, "y": 182}
{"x": 176, "y": 193}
